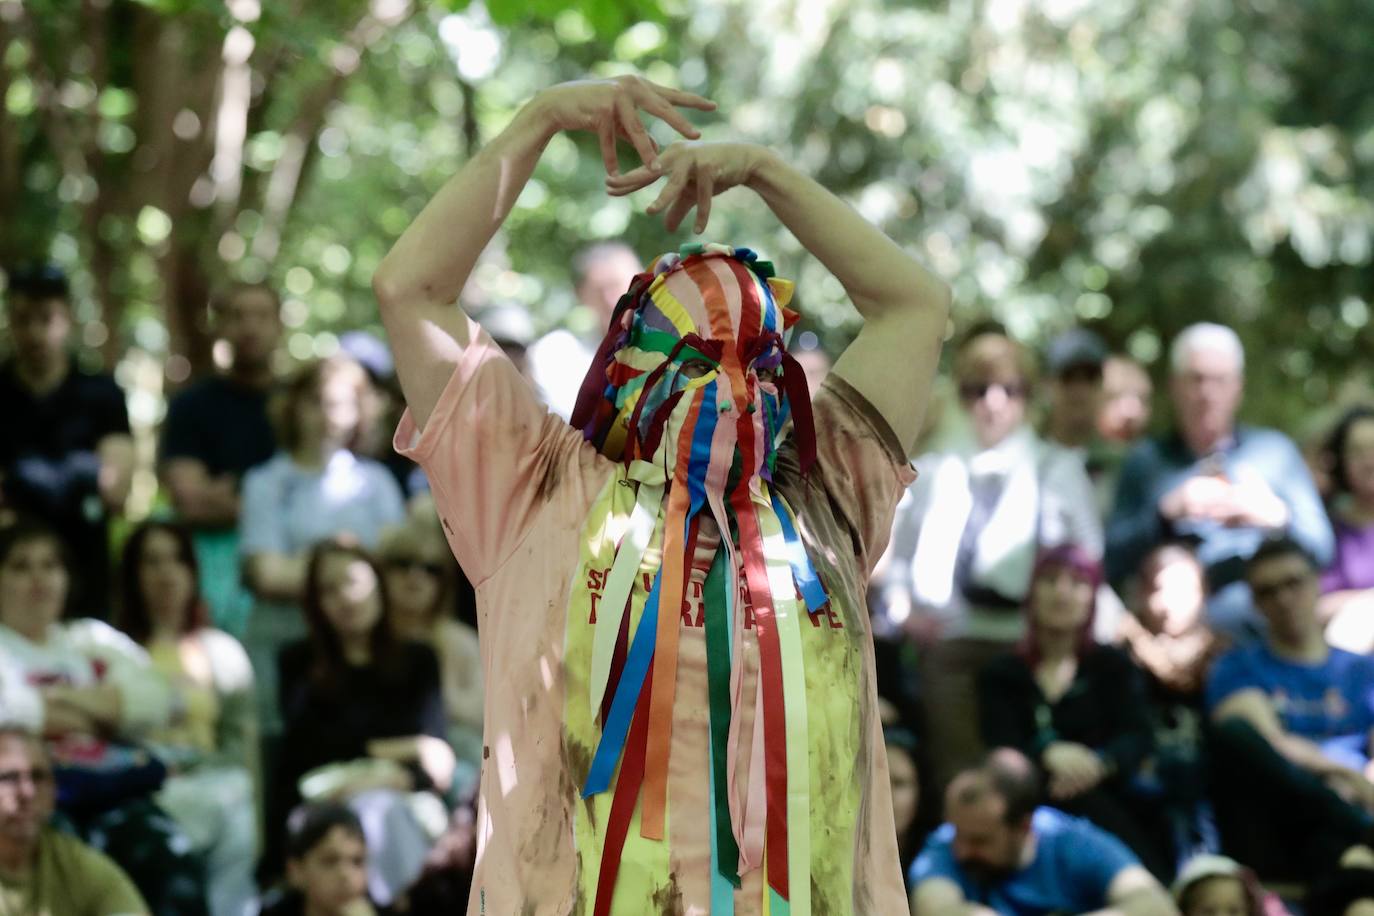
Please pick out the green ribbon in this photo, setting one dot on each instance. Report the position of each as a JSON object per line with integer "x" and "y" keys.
{"x": 717, "y": 599}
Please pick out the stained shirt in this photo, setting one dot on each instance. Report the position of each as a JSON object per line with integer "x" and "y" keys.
{"x": 514, "y": 486}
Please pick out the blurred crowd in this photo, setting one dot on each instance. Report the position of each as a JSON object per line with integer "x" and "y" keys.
{"x": 1112, "y": 650}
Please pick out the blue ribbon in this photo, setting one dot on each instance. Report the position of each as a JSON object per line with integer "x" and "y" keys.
{"x": 803, "y": 573}
{"x": 612, "y": 742}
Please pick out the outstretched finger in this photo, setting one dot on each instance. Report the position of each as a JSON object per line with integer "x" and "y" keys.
{"x": 677, "y": 183}
{"x": 655, "y": 105}
{"x": 683, "y": 98}
{"x": 631, "y": 181}
{"x": 634, "y": 130}
{"x": 606, "y": 134}
{"x": 679, "y": 210}
{"x": 617, "y": 188}
{"x": 706, "y": 189}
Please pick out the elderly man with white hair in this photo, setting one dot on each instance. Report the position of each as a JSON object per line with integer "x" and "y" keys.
{"x": 1221, "y": 484}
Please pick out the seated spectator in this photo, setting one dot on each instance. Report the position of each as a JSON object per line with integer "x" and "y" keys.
{"x": 1212, "y": 885}
{"x": 372, "y": 353}
{"x": 906, "y": 790}
{"x": 965, "y": 538}
{"x": 1168, "y": 639}
{"x": 316, "y": 487}
{"x": 1001, "y": 854}
{"x": 816, "y": 365}
{"x": 1347, "y": 602}
{"x": 419, "y": 579}
{"x": 1293, "y": 720}
{"x": 1346, "y": 891}
{"x": 326, "y": 865}
{"x": 211, "y": 746}
{"x": 66, "y": 456}
{"x": 1074, "y": 392}
{"x": 559, "y": 359}
{"x": 216, "y": 430}
{"x": 1075, "y": 707}
{"x": 92, "y": 693}
{"x": 1225, "y": 485}
{"x": 1167, "y": 635}
{"x": 44, "y": 872}
{"x": 364, "y": 715}
{"x": 1127, "y": 400}
{"x": 512, "y": 330}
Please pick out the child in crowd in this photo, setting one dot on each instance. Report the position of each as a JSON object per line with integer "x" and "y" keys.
{"x": 326, "y": 865}
{"x": 1210, "y": 885}
{"x": 364, "y": 717}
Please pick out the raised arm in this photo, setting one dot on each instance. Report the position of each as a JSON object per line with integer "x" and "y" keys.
{"x": 418, "y": 282}
{"x": 904, "y": 307}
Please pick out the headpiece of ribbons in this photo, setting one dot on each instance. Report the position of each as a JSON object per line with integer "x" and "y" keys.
{"x": 704, "y": 444}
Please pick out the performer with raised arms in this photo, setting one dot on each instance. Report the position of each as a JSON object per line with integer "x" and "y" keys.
{"x": 681, "y": 713}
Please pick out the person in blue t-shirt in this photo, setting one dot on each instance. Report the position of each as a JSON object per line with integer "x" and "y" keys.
{"x": 1292, "y": 720}
{"x": 1000, "y": 854}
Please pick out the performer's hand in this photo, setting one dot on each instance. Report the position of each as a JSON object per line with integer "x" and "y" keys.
{"x": 696, "y": 173}
{"x": 610, "y": 108}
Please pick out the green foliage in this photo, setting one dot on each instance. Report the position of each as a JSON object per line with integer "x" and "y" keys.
{"x": 1133, "y": 164}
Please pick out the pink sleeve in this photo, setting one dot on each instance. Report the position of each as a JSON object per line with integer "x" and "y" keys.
{"x": 861, "y": 464}
{"x": 493, "y": 455}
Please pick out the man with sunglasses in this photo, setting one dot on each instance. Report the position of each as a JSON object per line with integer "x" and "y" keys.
{"x": 1293, "y": 722}
{"x": 967, "y": 533}
{"x": 43, "y": 871}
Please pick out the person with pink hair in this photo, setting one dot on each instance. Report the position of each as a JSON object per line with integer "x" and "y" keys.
{"x": 1075, "y": 707}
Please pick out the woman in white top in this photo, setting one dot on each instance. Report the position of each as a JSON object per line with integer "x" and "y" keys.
{"x": 966, "y": 536}
{"x": 60, "y": 679}
{"x": 93, "y": 695}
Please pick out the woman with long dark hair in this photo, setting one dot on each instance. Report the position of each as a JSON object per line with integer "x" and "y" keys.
{"x": 315, "y": 487}
{"x": 212, "y": 741}
{"x": 1074, "y": 706}
{"x": 363, "y": 715}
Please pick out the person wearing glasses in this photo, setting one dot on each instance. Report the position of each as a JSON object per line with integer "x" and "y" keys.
{"x": 41, "y": 870}
{"x": 420, "y": 578}
{"x": 1292, "y": 726}
{"x": 1221, "y": 484}
{"x": 967, "y": 533}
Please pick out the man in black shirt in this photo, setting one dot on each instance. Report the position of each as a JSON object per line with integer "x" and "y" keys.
{"x": 66, "y": 455}
{"x": 218, "y": 428}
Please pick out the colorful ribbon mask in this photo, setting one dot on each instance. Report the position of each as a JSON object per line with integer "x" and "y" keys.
{"x": 691, "y": 392}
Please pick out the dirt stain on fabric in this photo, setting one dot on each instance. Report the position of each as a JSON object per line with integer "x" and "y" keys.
{"x": 549, "y": 480}
{"x": 668, "y": 899}
{"x": 577, "y": 763}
